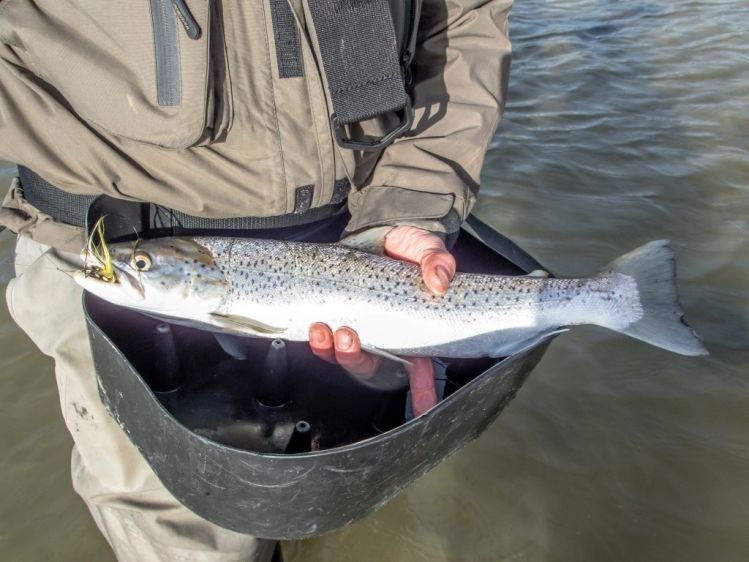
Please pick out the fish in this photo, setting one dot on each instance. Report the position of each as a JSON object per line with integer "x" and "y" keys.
{"x": 276, "y": 289}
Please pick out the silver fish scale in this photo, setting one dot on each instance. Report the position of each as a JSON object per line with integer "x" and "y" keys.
{"x": 292, "y": 284}
{"x": 269, "y": 268}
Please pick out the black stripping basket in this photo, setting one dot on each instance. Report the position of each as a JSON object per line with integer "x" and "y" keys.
{"x": 263, "y": 438}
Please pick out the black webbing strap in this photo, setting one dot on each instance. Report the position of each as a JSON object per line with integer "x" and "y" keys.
{"x": 288, "y": 53}
{"x": 76, "y": 210}
{"x": 63, "y": 206}
{"x": 163, "y": 217}
{"x": 363, "y": 66}
{"x": 360, "y": 55}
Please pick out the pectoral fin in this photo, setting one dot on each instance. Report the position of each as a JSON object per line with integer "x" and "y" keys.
{"x": 246, "y": 325}
{"x": 234, "y": 345}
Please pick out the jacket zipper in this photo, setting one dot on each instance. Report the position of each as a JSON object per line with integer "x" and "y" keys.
{"x": 409, "y": 26}
{"x": 164, "y": 15}
{"x": 411, "y": 13}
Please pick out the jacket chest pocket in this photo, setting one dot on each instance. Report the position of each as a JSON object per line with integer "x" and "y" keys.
{"x": 151, "y": 71}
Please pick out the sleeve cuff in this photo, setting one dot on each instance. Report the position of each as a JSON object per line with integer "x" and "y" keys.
{"x": 380, "y": 206}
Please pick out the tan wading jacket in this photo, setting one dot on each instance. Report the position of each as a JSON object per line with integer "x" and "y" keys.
{"x": 79, "y": 106}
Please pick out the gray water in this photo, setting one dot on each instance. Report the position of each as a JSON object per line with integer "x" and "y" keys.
{"x": 627, "y": 122}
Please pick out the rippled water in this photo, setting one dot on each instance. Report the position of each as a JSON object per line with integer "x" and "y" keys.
{"x": 627, "y": 122}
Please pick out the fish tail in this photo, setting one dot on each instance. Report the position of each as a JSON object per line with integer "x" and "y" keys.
{"x": 662, "y": 324}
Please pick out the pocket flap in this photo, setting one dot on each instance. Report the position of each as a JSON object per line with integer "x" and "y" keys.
{"x": 129, "y": 68}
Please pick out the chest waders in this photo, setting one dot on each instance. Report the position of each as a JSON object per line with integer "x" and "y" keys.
{"x": 271, "y": 441}
{"x": 260, "y": 436}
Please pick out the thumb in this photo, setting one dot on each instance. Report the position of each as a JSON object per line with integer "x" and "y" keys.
{"x": 426, "y": 249}
{"x": 438, "y": 269}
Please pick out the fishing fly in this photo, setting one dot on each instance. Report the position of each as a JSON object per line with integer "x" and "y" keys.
{"x": 98, "y": 249}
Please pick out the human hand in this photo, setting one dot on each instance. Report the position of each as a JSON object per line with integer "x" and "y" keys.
{"x": 410, "y": 244}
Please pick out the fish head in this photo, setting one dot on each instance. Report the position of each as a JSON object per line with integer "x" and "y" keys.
{"x": 171, "y": 276}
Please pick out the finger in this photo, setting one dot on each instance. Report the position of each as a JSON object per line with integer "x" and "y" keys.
{"x": 409, "y": 243}
{"x": 421, "y": 380}
{"x": 350, "y": 356}
{"x": 321, "y": 342}
{"x": 426, "y": 249}
{"x": 438, "y": 269}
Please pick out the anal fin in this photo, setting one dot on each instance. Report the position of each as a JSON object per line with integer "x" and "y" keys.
{"x": 524, "y": 345}
{"x": 385, "y": 354}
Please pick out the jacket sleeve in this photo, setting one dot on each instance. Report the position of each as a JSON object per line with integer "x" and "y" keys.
{"x": 430, "y": 177}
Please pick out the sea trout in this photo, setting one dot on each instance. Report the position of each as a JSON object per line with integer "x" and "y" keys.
{"x": 277, "y": 289}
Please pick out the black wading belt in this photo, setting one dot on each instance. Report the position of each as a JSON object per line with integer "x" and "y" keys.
{"x": 145, "y": 218}
{"x": 366, "y": 63}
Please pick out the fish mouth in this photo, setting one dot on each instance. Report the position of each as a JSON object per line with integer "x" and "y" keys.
{"x": 99, "y": 276}
{"x": 116, "y": 286}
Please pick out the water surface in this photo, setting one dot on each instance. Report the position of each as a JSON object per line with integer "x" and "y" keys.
{"x": 627, "y": 122}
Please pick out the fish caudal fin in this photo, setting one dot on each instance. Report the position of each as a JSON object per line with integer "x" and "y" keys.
{"x": 653, "y": 268}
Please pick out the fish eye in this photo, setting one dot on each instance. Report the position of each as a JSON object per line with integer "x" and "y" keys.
{"x": 142, "y": 261}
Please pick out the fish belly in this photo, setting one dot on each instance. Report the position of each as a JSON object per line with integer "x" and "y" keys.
{"x": 405, "y": 332}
